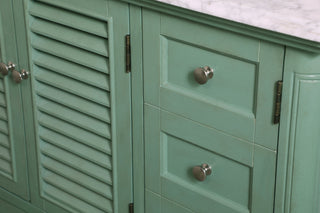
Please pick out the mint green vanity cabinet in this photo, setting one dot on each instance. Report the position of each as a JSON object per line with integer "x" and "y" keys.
{"x": 226, "y": 123}
{"x": 82, "y": 135}
{"x": 77, "y": 102}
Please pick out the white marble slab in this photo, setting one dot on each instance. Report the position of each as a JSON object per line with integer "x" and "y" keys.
{"x": 300, "y": 18}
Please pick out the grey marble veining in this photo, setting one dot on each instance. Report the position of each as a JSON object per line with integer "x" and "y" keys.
{"x": 300, "y": 18}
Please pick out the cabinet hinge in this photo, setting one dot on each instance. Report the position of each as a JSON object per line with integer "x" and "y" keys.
{"x": 278, "y": 97}
{"x": 130, "y": 207}
{"x": 128, "y": 54}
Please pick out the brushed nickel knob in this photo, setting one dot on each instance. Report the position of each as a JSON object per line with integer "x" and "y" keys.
{"x": 19, "y": 76}
{"x": 201, "y": 172}
{"x": 4, "y": 68}
{"x": 203, "y": 74}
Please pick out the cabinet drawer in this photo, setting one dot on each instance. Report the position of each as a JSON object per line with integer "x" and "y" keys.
{"x": 231, "y": 93}
{"x": 242, "y": 178}
{"x": 226, "y": 189}
{"x": 232, "y": 84}
{"x": 238, "y": 100}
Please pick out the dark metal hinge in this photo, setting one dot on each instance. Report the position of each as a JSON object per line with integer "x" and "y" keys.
{"x": 130, "y": 207}
{"x": 277, "y": 108}
{"x": 128, "y": 54}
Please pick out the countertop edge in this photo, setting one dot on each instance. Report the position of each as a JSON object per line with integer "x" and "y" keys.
{"x": 256, "y": 32}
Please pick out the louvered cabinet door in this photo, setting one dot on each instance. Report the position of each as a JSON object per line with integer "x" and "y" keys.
{"x": 81, "y": 100}
{"x": 13, "y": 168}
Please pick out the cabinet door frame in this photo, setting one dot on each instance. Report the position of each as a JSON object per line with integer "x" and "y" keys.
{"x": 137, "y": 107}
{"x": 18, "y": 184}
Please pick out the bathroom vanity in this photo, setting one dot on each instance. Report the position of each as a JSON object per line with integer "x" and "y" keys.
{"x": 169, "y": 106}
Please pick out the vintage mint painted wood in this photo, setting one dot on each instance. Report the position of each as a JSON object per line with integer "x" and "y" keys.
{"x": 137, "y": 107}
{"x": 81, "y": 105}
{"x": 241, "y": 91}
{"x": 243, "y": 174}
{"x": 81, "y": 100}
{"x": 169, "y": 129}
{"x": 6, "y": 207}
{"x": 299, "y": 163}
{"x": 231, "y": 117}
{"x": 13, "y": 164}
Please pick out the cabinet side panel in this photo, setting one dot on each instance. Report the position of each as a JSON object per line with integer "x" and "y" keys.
{"x": 305, "y": 145}
{"x": 297, "y": 188}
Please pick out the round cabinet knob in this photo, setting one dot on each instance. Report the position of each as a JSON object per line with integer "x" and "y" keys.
{"x": 203, "y": 74}
{"x": 201, "y": 172}
{"x": 4, "y": 69}
{"x": 19, "y": 76}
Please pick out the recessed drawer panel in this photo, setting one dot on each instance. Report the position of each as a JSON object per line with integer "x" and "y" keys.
{"x": 230, "y": 94}
{"x": 233, "y": 82}
{"x": 237, "y": 100}
{"x": 242, "y": 174}
{"x": 226, "y": 188}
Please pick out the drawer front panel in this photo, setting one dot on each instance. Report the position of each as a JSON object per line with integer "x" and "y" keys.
{"x": 182, "y": 156}
{"x": 233, "y": 82}
{"x": 238, "y": 100}
{"x": 241, "y": 172}
{"x": 229, "y": 94}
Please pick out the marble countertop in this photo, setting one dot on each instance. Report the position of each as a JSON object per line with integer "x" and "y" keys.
{"x": 299, "y": 18}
